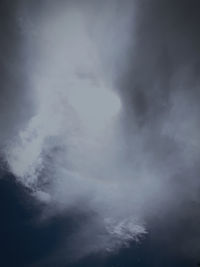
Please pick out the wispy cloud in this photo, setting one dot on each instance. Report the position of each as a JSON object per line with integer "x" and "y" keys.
{"x": 105, "y": 130}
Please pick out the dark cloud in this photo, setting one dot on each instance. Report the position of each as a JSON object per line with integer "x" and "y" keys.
{"x": 164, "y": 51}
{"x": 162, "y": 78}
{"x": 151, "y": 51}
{"x": 15, "y": 101}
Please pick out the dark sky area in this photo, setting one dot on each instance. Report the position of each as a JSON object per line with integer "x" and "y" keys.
{"x": 158, "y": 79}
{"x": 25, "y": 243}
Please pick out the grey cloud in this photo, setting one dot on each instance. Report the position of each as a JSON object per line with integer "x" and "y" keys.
{"x": 148, "y": 165}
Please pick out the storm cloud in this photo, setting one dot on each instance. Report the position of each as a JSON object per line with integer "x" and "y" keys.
{"x": 100, "y": 113}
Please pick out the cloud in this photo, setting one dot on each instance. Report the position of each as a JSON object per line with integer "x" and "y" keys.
{"x": 70, "y": 149}
{"x": 111, "y": 117}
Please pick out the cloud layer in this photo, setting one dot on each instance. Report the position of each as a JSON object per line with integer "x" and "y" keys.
{"x": 107, "y": 120}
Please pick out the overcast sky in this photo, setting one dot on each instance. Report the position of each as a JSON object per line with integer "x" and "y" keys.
{"x": 99, "y": 131}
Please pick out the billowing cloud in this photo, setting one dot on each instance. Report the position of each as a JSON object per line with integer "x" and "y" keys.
{"x": 110, "y": 116}
{"x": 71, "y": 149}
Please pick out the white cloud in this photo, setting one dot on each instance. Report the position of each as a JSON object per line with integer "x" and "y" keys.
{"x": 72, "y": 140}
{"x": 75, "y": 151}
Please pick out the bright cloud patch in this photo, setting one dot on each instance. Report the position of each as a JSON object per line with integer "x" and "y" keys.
{"x": 70, "y": 153}
{"x": 95, "y": 106}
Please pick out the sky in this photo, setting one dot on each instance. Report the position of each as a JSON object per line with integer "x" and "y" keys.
{"x": 99, "y": 144}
